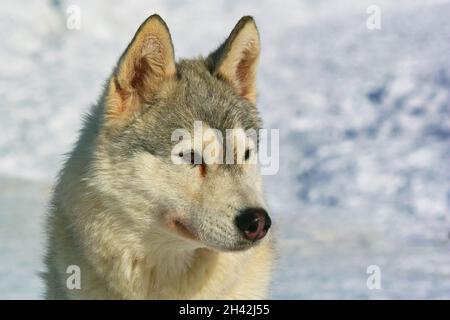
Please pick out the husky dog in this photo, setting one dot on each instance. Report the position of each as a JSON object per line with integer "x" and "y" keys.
{"x": 135, "y": 224}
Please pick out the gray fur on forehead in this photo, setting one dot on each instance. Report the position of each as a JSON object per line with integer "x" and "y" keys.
{"x": 201, "y": 96}
{"x": 197, "y": 96}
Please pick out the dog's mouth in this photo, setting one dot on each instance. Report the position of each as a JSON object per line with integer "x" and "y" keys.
{"x": 183, "y": 229}
{"x": 186, "y": 231}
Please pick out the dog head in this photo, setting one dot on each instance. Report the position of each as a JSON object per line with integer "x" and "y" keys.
{"x": 162, "y": 180}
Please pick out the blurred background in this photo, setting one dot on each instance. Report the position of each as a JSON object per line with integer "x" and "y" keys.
{"x": 364, "y": 119}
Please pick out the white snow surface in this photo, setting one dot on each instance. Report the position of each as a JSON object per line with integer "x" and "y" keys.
{"x": 364, "y": 119}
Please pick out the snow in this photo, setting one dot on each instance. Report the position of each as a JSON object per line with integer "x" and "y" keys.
{"x": 364, "y": 119}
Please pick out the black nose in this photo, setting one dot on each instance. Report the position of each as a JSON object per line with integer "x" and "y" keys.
{"x": 254, "y": 223}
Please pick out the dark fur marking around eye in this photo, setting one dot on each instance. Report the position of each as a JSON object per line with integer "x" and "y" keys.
{"x": 202, "y": 169}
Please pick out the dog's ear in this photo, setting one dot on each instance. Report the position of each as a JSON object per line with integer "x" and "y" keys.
{"x": 236, "y": 60}
{"x": 145, "y": 65}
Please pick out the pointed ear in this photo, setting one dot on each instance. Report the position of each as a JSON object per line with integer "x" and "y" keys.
{"x": 236, "y": 60}
{"x": 147, "y": 62}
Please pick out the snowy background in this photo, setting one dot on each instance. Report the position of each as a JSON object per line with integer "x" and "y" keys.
{"x": 364, "y": 119}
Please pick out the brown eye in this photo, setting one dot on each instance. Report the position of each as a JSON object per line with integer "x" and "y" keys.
{"x": 247, "y": 154}
{"x": 191, "y": 158}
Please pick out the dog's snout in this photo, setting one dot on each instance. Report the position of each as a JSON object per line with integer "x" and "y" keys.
{"x": 253, "y": 223}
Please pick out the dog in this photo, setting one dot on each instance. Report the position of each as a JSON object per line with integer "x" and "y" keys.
{"x": 131, "y": 222}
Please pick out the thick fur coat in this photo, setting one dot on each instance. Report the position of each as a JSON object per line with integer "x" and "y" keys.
{"x": 139, "y": 226}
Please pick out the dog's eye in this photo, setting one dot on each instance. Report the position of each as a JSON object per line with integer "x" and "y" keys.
{"x": 247, "y": 154}
{"x": 192, "y": 157}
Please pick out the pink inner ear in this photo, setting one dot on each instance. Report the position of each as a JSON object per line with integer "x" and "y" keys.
{"x": 240, "y": 65}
